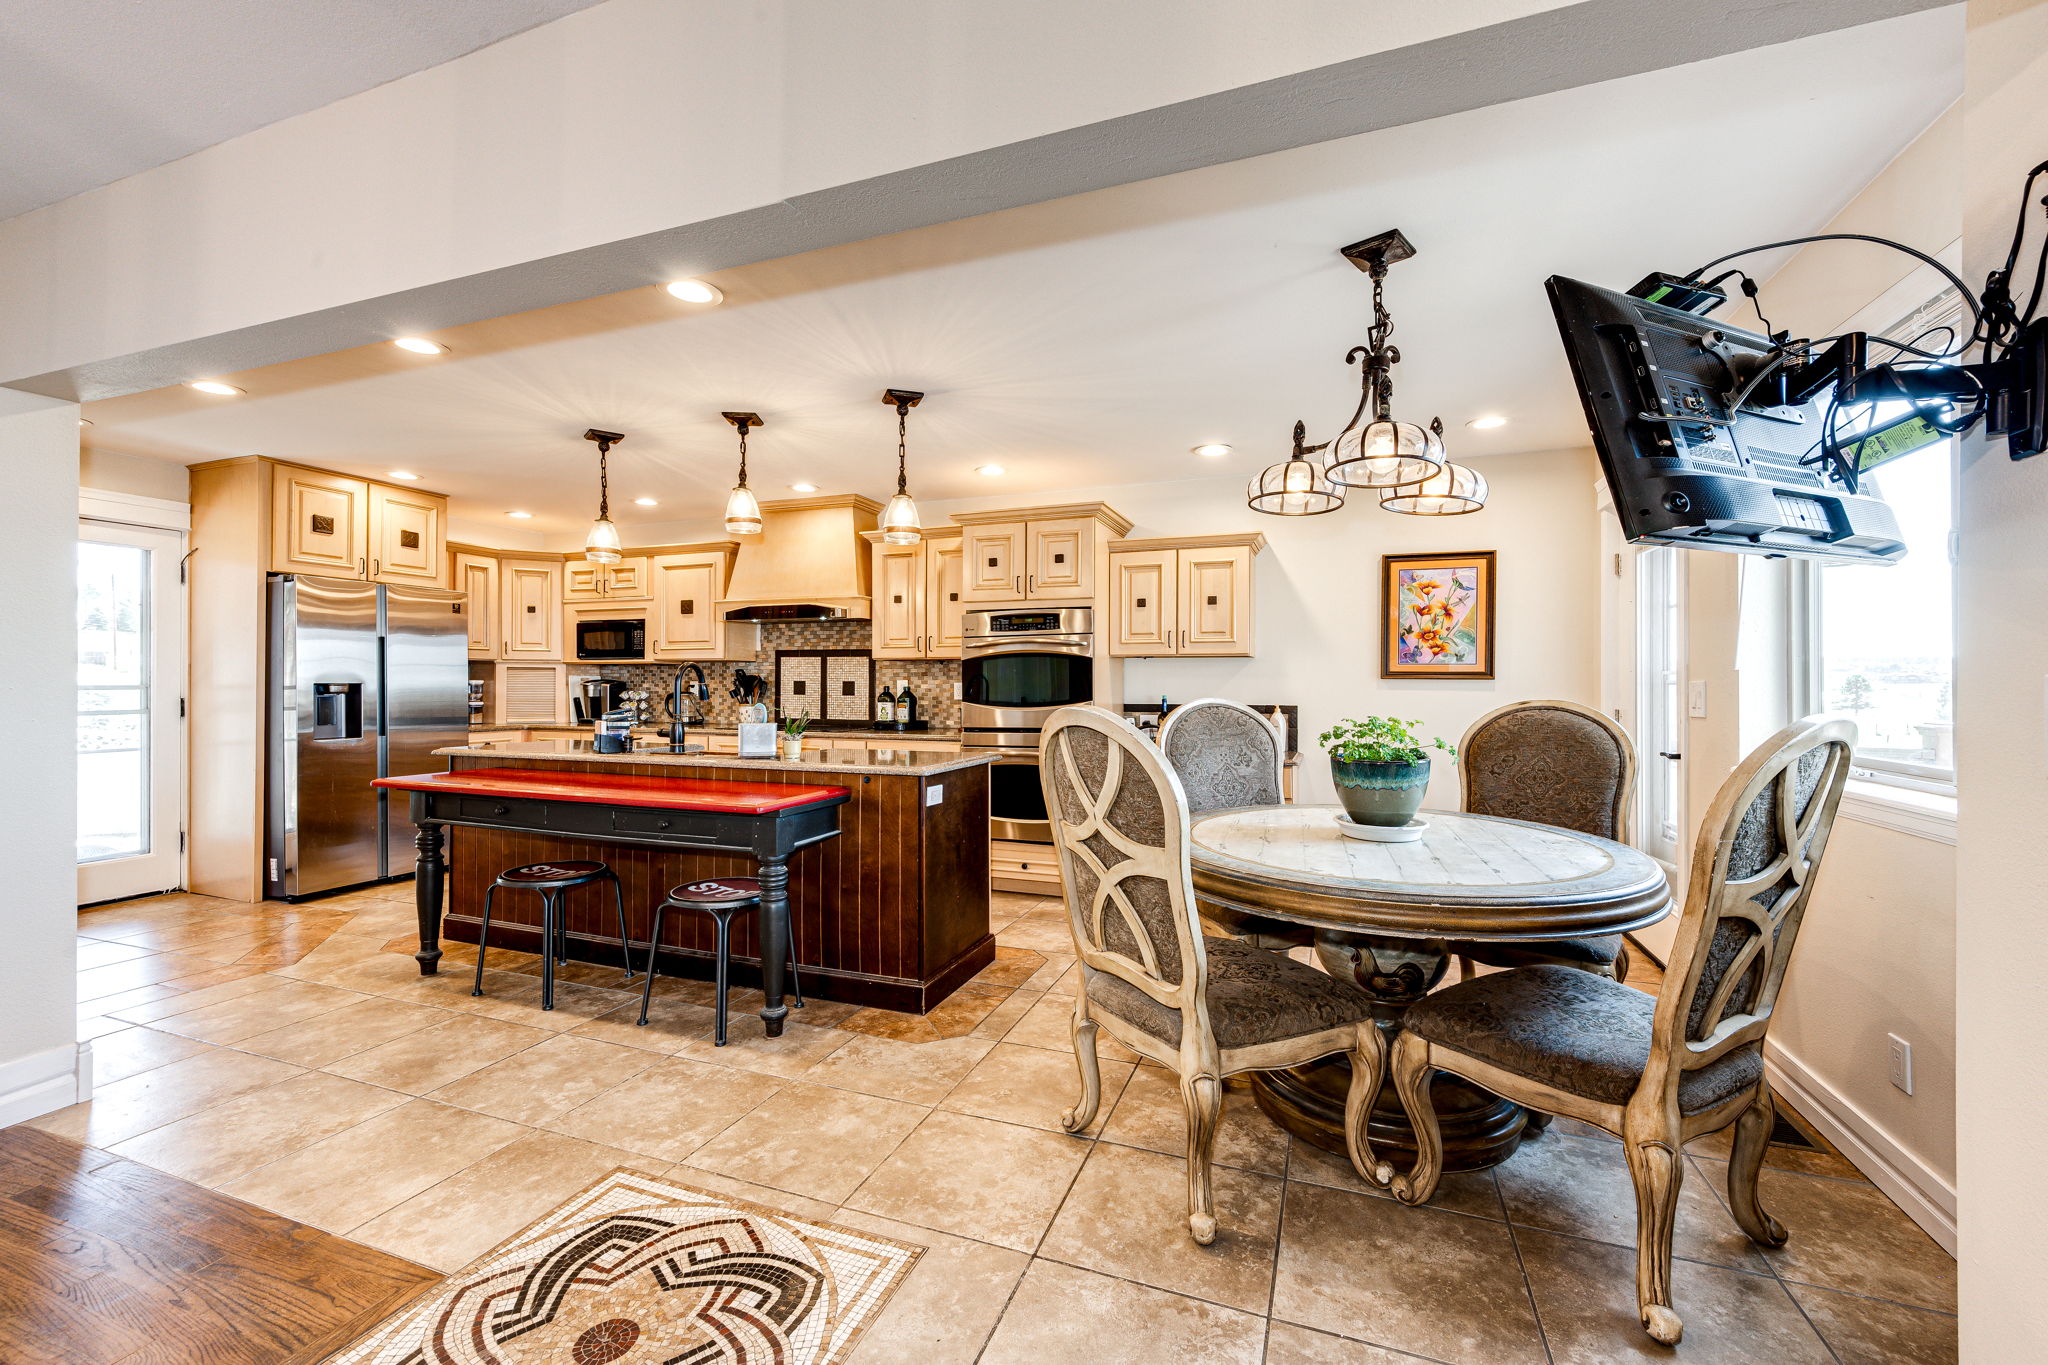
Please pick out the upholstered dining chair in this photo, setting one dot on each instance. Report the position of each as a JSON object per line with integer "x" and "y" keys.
{"x": 1656, "y": 1072}
{"x": 1226, "y": 754}
{"x": 1553, "y": 763}
{"x": 1203, "y": 1007}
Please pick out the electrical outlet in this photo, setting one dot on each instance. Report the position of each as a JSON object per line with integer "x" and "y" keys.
{"x": 956, "y": 691}
{"x": 1900, "y": 1053}
{"x": 1696, "y": 700}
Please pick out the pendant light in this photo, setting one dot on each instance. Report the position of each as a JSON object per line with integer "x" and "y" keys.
{"x": 602, "y": 545}
{"x": 900, "y": 525}
{"x": 1295, "y": 487}
{"x": 1377, "y": 451}
{"x": 742, "y": 511}
{"x": 1452, "y": 491}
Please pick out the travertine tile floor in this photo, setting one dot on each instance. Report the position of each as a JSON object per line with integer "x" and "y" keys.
{"x": 292, "y": 1056}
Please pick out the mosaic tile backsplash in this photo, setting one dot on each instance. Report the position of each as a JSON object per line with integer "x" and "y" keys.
{"x": 932, "y": 680}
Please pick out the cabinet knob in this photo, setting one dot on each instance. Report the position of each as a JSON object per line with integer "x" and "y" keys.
{"x": 501, "y": 810}
{"x": 666, "y": 824}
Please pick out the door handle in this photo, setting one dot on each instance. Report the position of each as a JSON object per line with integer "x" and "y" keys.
{"x": 376, "y": 567}
{"x": 1673, "y": 757}
{"x": 363, "y": 566}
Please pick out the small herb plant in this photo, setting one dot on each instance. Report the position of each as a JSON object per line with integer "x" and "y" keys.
{"x": 793, "y": 727}
{"x": 1379, "y": 739}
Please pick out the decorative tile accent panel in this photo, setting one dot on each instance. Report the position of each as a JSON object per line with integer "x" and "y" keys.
{"x": 932, "y": 680}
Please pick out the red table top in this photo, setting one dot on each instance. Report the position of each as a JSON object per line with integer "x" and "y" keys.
{"x": 605, "y": 789}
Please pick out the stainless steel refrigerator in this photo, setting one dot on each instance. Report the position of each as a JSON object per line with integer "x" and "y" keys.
{"x": 366, "y": 681}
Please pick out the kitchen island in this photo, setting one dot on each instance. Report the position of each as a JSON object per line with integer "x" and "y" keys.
{"x": 892, "y": 912}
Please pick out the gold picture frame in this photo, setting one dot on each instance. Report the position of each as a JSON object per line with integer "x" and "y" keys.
{"x": 1437, "y": 615}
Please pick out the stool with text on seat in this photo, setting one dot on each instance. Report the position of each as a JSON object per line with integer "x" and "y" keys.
{"x": 721, "y": 898}
{"x": 551, "y": 880}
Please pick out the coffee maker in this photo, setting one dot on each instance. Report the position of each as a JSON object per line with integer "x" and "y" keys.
{"x": 599, "y": 695}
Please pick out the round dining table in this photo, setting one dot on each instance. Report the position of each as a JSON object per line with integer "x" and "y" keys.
{"x": 1385, "y": 915}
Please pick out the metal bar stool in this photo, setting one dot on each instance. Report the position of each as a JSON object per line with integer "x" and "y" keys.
{"x": 551, "y": 880}
{"x": 721, "y": 898}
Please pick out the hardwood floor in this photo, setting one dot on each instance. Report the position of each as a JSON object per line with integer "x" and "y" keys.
{"x": 106, "y": 1260}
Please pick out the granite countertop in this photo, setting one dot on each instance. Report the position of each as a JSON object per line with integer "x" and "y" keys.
{"x": 902, "y": 758}
{"x": 903, "y": 736}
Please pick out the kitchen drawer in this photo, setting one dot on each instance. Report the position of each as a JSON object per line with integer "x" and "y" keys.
{"x": 1030, "y": 868}
{"x": 501, "y": 810}
{"x": 670, "y": 824}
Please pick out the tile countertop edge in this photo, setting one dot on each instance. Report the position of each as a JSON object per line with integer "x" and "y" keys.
{"x": 823, "y": 764}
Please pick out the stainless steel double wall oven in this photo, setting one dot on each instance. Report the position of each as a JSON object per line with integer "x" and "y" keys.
{"x": 1018, "y": 665}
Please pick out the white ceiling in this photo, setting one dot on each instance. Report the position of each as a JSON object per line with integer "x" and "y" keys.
{"x": 1095, "y": 339}
{"x": 95, "y": 90}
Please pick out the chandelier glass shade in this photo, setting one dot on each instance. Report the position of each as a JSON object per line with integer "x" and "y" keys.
{"x": 900, "y": 524}
{"x": 742, "y": 509}
{"x": 1383, "y": 453}
{"x": 602, "y": 545}
{"x": 1295, "y": 487}
{"x": 1452, "y": 491}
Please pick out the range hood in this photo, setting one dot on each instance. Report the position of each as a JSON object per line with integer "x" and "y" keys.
{"x": 808, "y": 564}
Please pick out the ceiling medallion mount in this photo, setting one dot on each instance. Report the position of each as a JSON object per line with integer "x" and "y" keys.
{"x": 602, "y": 545}
{"x": 742, "y": 509}
{"x": 900, "y": 524}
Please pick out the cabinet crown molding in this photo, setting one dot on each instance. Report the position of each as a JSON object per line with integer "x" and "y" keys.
{"x": 931, "y": 533}
{"x": 858, "y": 501}
{"x": 1254, "y": 541}
{"x": 1117, "y": 522}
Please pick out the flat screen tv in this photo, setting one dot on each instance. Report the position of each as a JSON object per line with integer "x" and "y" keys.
{"x": 1684, "y": 468}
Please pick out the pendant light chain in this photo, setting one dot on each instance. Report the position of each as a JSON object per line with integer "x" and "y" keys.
{"x": 902, "y": 446}
{"x": 743, "y": 454}
{"x": 604, "y": 481}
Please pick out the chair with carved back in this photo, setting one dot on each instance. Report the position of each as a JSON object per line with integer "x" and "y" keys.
{"x": 1657, "y": 1072}
{"x": 1552, "y": 763}
{"x": 1226, "y": 754}
{"x": 1204, "y": 1007}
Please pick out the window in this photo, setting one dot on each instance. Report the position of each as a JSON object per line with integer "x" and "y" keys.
{"x": 1885, "y": 633}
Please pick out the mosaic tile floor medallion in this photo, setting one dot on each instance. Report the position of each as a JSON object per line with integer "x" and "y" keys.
{"x": 635, "y": 1271}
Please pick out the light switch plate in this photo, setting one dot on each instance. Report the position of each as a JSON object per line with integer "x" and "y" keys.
{"x": 1696, "y": 700}
{"x": 1899, "y": 1053}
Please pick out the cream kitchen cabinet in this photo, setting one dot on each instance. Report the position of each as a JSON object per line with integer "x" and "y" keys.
{"x": 688, "y": 620}
{"x": 408, "y": 536}
{"x": 916, "y": 597}
{"x": 584, "y": 580}
{"x": 1187, "y": 597}
{"x": 1037, "y": 554}
{"x": 531, "y": 619}
{"x": 477, "y": 575}
{"x": 532, "y": 694}
{"x": 340, "y": 527}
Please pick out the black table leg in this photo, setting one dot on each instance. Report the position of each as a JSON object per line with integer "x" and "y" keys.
{"x": 774, "y": 874}
{"x": 427, "y": 881}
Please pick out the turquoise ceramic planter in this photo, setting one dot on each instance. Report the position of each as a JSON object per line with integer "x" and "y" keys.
{"x": 1380, "y": 793}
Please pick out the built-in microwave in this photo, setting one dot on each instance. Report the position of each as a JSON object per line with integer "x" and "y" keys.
{"x": 621, "y": 638}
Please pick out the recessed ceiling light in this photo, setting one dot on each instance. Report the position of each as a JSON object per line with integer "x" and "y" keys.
{"x": 212, "y": 386}
{"x": 1488, "y": 422}
{"x": 405, "y": 474}
{"x": 696, "y": 291}
{"x": 989, "y": 470}
{"x": 85, "y": 421}
{"x": 521, "y": 515}
{"x": 645, "y": 502}
{"x": 1212, "y": 450}
{"x": 419, "y": 345}
{"x": 803, "y": 488}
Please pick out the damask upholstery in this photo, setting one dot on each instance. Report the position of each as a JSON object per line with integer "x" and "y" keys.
{"x": 1571, "y": 1030}
{"x": 1137, "y": 813}
{"x": 1254, "y": 997}
{"x": 1224, "y": 756}
{"x": 1549, "y": 765}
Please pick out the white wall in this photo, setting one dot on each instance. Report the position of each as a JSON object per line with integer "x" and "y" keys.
{"x": 111, "y": 472}
{"x": 1318, "y": 601}
{"x": 2001, "y": 751}
{"x": 38, "y": 802}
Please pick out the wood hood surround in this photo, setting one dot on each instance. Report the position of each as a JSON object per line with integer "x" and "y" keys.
{"x": 809, "y": 553}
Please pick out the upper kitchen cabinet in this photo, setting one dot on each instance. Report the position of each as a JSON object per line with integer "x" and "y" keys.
{"x": 688, "y": 622}
{"x": 1186, "y": 596}
{"x": 530, "y": 591}
{"x": 586, "y": 581}
{"x": 341, "y": 527}
{"x": 477, "y": 575}
{"x": 1038, "y": 554}
{"x": 917, "y": 596}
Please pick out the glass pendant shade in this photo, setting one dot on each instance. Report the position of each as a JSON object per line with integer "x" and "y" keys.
{"x": 1452, "y": 491}
{"x": 900, "y": 525}
{"x": 1293, "y": 488}
{"x": 602, "y": 545}
{"x": 1383, "y": 454}
{"x": 742, "y": 512}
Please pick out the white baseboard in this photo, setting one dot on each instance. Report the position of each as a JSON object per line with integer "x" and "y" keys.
{"x": 44, "y": 1082}
{"x": 1927, "y": 1198}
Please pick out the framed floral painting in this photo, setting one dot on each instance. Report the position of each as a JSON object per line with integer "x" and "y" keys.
{"x": 1437, "y": 615}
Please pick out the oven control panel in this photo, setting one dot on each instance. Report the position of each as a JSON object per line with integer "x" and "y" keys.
{"x": 1039, "y": 621}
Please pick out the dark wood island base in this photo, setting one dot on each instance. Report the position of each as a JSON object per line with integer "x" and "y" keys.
{"x": 890, "y": 911}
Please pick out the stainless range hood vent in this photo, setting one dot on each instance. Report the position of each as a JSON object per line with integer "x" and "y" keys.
{"x": 809, "y": 562}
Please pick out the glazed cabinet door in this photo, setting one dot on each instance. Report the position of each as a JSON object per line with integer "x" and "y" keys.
{"x": 685, "y": 621}
{"x": 408, "y": 536}
{"x": 532, "y": 622}
{"x": 629, "y": 578}
{"x": 943, "y": 563}
{"x": 1143, "y": 619}
{"x": 898, "y": 601}
{"x": 582, "y": 581}
{"x": 1062, "y": 559}
{"x": 477, "y": 575}
{"x": 1216, "y": 601}
{"x": 319, "y": 523}
{"x": 994, "y": 562}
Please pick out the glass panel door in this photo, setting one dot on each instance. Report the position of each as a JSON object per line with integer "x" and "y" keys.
{"x": 130, "y": 671}
{"x": 1660, "y": 726}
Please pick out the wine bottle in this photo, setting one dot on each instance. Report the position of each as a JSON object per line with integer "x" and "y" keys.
{"x": 885, "y": 707}
{"x": 906, "y": 701}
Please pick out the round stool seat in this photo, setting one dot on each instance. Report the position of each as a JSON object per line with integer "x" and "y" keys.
{"x": 535, "y": 874}
{"x": 717, "y": 891}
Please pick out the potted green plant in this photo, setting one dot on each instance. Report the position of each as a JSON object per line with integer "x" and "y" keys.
{"x": 1381, "y": 768}
{"x": 793, "y": 728}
